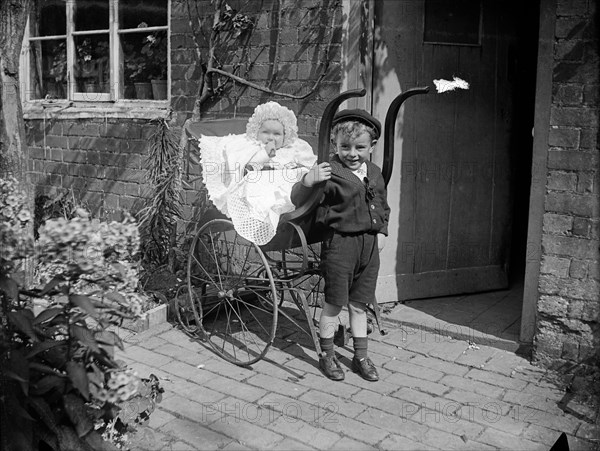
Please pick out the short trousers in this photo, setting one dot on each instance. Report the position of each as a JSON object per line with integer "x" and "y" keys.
{"x": 349, "y": 265}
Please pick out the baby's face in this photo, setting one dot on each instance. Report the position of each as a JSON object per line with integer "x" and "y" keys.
{"x": 354, "y": 151}
{"x": 271, "y": 132}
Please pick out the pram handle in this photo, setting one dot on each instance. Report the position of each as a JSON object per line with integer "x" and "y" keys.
{"x": 390, "y": 130}
{"x": 322, "y": 152}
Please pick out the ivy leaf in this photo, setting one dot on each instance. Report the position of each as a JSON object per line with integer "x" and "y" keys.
{"x": 79, "y": 378}
{"x": 85, "y": 337}
{"x": 47, "y": 383}
{"x": 77, "y": 413}
{"x": 51, "y": 285}
{"x": 84, "y": 303}
{"x": 43, "y": 346}
{"x": 10, "y": 287}
{"x": 41, "y": 368}
{"x": 23, "y": 323}
{"x": 111, "y": 338}
{"x": 47, "y": 315}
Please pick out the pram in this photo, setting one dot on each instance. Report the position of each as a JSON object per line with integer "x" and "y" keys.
{"x": 236, "y": 289}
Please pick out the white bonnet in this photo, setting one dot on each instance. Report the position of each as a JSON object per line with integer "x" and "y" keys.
{"x": 272, "y": 110}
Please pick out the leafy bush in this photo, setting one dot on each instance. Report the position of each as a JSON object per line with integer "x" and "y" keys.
{"x": 59, "y": 378}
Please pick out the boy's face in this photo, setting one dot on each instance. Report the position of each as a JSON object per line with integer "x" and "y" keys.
{"x": 271, "y": 132}
{"x": 354, "y": 151}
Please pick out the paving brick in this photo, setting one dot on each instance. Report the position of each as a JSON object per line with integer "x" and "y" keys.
{"x": 336, "y": 404}
{"x": 454, "y": 419}
{"x": 304, "y": 432}
{"x": 219, "y": 366}
{"x": 234, "y": 388}
{"x": 497, "y": 379}
{"x": 292, "y": 408}
{"x": 159, "y": 418}
{"x": 145, "y": 356}
{"x": 386, "y": 403}
{"x": 439, "y": 365}
{"x": 541, "y": 434}
{"x": 277, "y": 385}
{"x": 466, "y": 384}
{"x": 562, "y": 423}
{"x": 503, "y": 440}
{"x": 532, "y": 401}
{"x": 468, "y": 398}
{"x": 195, "y": 435}
{"x": 549, "y": 392}
{"x": 147, "y": 439}
{"x": 419, "y": 398}
{"x": 399, "y": 443}
{"x": 287, "y": 444}
{"x": 510, "y": 422}
{"x": 191, "y": 410}
{"x": 187, "y": 371}
{"x": 589, "y": 431}
{"x": 578, "y": 444}
{"x": 414, "y": 370}
{"x": 449, "y": 351}
{"x": 443, "y": 440}
{"x": 403, "y": 380}
{"x": 152, "y": 343}
{"x": 353, "y": 428}
{"x": 394, "y": 424}
{"x": 235, "y": 446}
{"x": 179, "y": 338}
{"x": 180, "y": 353}
{"x": 388, "y": 350}
{"x": 505, "y": 363}
{"x": 247, "y": 433}
{"x": 351, "y": 445}
{"x": 192, "y": 390}
{"x": 323, "y": 384}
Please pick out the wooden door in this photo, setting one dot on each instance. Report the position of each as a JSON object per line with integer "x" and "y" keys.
{"x": 450, "y": 190}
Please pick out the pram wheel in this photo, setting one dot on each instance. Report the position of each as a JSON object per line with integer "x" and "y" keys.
{"x": 237, "y": 312}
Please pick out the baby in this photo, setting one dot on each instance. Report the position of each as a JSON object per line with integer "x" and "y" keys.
{"x": 234, "y": 170}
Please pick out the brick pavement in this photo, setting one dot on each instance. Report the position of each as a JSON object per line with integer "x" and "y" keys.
{"x": 436, "y": 393}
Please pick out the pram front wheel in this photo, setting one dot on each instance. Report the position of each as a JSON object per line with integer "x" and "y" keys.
{"x": 237, "y": 308}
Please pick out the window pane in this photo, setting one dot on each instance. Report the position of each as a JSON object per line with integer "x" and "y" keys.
{"x": 133, "y": 13}
{"x": 145, "y": 61}
{"x": 49, "y": 18}
{"x": 455, "y": 22}
{"x": 48, "y": 73}
{"x": 91, "y": 15}
{"x": 92, "y": 63}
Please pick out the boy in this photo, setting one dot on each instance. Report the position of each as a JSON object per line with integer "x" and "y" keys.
{"x": 355, "y": 213}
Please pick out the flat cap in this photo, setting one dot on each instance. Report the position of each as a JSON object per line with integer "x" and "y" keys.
{"x": 359, "y": 116}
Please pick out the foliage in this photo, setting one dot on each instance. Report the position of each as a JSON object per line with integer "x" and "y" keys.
{"x": 59, "y": 378}
{"x": 150, "y": 61}
{"x": 158, "y": 219}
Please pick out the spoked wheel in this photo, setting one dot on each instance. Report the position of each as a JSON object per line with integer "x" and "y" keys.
{"x": 237, "y": 312}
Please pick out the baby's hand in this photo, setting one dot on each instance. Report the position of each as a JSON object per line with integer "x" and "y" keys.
{"x": 318, "y": 173}
{"x": 271, "y": 150}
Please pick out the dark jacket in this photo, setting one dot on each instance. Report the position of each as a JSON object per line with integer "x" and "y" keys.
{"x": 349, "y": 205}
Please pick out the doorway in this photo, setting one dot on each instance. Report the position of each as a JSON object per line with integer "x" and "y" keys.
{"x": 460, "y": 186}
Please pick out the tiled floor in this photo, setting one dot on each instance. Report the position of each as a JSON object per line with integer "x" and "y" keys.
{"x": 492, "y": 318}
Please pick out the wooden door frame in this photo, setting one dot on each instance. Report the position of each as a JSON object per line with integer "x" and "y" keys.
{"x": 537, "y": 195}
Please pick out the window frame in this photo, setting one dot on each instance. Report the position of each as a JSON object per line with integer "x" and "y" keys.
{"x": 79, "y": 103}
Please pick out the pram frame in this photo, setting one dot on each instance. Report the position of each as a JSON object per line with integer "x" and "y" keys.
{"x": 261, "y": 283}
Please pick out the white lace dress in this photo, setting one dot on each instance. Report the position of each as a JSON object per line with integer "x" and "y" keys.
{"x": 253, "y": 199}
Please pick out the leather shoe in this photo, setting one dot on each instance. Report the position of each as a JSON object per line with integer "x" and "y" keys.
{"x": 365, "y": 368}
{"x": 331, "y": 368}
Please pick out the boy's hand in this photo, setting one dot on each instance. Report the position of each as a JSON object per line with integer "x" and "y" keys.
{"x": 381, "y": 239}
{"x": 317, "y": 174}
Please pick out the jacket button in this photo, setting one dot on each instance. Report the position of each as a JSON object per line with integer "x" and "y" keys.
{"x": 372, "y": 207}
{"x": 374, "y": 221}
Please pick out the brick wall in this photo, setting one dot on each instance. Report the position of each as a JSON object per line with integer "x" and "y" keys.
{"x": 102, "y": 160}
{"x": 568, "y": 330}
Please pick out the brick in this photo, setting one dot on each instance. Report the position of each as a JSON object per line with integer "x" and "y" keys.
{"x": 567, "y": 94}
{"x": 572, "y": 288}
{"x": 338, "y": 405}
{"x": 386, "y": 403}
{"x": 234, "y": 388}
{"x": 476, "y": 386}
{"x": 555, "y": 223}
{"x": 571, "y": 8}
{"x": 502, "y": 440}
{"x": 496, "y": 379}
{"x": 443, "y": 440}
{"x": 565, "y": 202}
{"x": 400, "y": 443}
{"x": 576, "y": 117}
{"x": 403, "y": 380}
{"x": 552, "y": 305}
{"x": 555, "y": 266}
{"x": 569, "y": 50}
{"x": 561, "y": 181}
{"x": 304, "y": 432}
{"x": 296, "y": 409}
{"x": 587, "y": 182}
{"x": 414, "y": 430}
{"x": 149, "y": 358}
{"x": 582, "y": 227}
{"x": 277, "y": 385}
{"x": 572, "y": 160}
{"x": 414, "y": 370}
{"x": 193, "y": 434}
{"x": 570, "y": 350}
{"x": 574, "y": 247}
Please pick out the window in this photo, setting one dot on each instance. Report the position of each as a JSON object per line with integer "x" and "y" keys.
{"x": 455, "y": 22}
{"x": 98, "y": 50}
